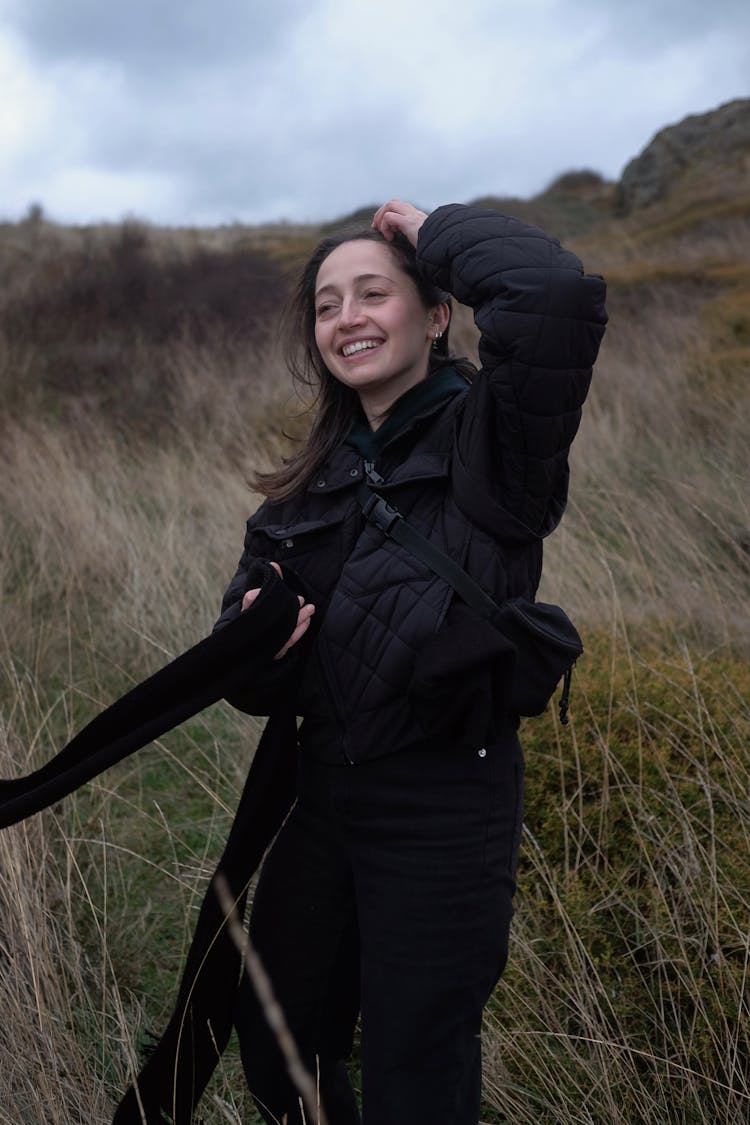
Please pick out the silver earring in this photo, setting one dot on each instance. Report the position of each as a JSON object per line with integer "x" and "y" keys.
{"x": 435, "y": 339}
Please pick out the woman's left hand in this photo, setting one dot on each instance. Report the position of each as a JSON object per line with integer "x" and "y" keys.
{"x": 395, "y": 215}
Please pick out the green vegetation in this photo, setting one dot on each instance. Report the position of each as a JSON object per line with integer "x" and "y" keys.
{"x": 626, "y": 997}
{"x": 140, "y": 383}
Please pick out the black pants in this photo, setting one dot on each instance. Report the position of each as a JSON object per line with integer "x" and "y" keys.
{"x": 390, "y": 885}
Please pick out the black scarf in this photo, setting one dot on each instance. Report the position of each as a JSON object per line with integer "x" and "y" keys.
{"x": 182, "y": 1062}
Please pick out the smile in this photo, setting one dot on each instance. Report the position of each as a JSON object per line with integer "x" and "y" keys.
{"x": 359, "y": 346}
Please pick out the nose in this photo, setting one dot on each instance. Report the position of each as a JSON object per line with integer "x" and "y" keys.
{"x": 351, "y": 312}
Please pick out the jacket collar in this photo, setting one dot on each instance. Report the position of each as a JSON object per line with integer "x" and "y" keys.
{"x": 417, "y": 405}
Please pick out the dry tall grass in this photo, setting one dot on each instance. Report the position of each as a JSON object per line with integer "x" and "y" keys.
{"x": 627, "y": 996}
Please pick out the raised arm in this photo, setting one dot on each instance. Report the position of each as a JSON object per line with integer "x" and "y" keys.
{"x": 541, "y": 322}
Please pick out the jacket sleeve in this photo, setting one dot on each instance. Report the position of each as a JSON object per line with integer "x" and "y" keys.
{"x": 541, "y": 322}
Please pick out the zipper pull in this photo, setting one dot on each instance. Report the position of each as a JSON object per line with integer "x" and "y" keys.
{"x": 371, "y": 473}
{"x": 565, "y": 697}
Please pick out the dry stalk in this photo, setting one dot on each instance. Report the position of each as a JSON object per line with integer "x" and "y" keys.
{"x": 272, "y": 1010}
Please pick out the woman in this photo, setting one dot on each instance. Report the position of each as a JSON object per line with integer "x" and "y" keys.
{"x": 389, "y": 888}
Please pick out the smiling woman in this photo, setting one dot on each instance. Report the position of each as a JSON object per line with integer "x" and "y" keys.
{"x": 388, "y": 890}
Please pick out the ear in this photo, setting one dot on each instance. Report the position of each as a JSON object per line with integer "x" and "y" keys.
{"x": 438, "y": 319}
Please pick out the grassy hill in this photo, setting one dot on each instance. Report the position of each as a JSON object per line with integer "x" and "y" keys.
{"x": 140, "y": 381}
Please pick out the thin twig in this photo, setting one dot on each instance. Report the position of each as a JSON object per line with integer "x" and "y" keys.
{"x": 272, "y": 1010}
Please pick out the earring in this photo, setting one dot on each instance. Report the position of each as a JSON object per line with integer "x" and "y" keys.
{"x": 435, "y": 339}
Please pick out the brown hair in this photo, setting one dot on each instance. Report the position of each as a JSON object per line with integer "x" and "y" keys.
{"x": 336, "y": 405}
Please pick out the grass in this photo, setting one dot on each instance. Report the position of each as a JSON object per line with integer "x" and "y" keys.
{"x": 123, "y": 507}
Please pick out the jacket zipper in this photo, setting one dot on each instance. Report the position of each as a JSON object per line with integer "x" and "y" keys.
{"x": 335, "y": 709}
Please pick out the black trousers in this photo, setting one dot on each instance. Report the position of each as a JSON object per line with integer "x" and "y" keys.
{"x": 389, "y": 888}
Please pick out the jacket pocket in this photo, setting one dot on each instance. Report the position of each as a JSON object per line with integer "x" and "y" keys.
{"x": 286, "y": 541}
{"x": 310, "y": 551}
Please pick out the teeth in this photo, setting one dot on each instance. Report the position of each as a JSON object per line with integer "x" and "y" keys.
{"x": 359, "y": 346}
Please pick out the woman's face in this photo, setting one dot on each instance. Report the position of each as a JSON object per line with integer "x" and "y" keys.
{"x": 371, "y": 327}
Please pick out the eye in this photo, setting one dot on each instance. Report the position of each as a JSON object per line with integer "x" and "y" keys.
{"x": 374, "y": 294}
{"x": 321, "y": 310}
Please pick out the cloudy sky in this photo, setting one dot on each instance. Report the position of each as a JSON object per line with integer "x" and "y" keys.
{"x": 198, "y": 112}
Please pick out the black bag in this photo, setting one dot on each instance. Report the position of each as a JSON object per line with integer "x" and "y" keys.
{"x": 547, "y": 646}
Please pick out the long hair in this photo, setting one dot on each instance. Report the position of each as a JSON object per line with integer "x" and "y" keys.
{"x": 336, "y": 406}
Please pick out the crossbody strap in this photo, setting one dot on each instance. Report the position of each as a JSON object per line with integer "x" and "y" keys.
{"x": 390, "y": 521}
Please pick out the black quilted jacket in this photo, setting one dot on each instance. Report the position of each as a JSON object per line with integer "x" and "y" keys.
{"x": 483, "y": 475}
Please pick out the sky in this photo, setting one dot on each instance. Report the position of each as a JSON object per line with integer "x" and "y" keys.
{"x": 190, "y": 112}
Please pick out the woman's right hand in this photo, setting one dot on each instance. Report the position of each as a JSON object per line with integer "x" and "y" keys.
{"x": 304, "y": 616}
{"x": 396, "y": 215}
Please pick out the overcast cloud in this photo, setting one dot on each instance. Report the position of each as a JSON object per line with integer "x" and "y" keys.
{"x": 195, "y": 112}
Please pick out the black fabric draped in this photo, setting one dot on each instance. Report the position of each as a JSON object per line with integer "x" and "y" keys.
{"x": 180, "y": 1065}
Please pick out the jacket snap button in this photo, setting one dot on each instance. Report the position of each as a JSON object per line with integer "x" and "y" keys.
{"x": 321, "y": 484}
{"x": 483, "y": 753}
{"x": 288, "y": 543}
{"x": 354, "y": 472}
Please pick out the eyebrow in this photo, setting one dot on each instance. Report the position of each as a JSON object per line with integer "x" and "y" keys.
{"x": 359, "y": 277}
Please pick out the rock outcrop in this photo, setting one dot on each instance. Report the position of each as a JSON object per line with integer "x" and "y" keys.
{"x": 698, "y": 145}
